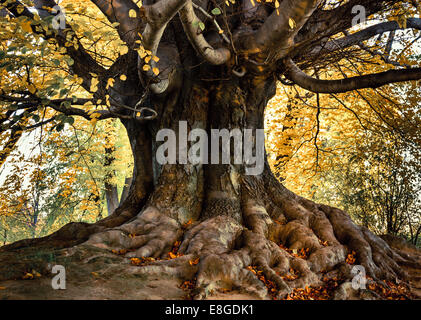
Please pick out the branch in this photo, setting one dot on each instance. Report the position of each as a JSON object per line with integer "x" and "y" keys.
{"x": 32, "y": 102}
{"x": 72, "y": 111}
{"x": 360, "y": 82}
{"x": 283, "y": 25}
{"x": 213, "y": 19}
{"x": 191, "y": 26}
{"x": 84, "y": 64}
{"x": 383, "y": 56}
{"x": 10, "y": 144}
{"x": 57, "y": 104}
{"x": 118, "y": 11}
{"x": 356, "y": 38}
{"x": 325, "y": 23}
{"x": 158, "y": 16}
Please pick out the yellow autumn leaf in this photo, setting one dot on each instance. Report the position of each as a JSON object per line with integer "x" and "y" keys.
{"x": 141, "y": 52}
{"x": 132, "y": 13}
{"x": 110, "y": 83}
{"x": 123, "y": 77}
{"x": 124, "y": 50}
{"x": 32, "y": 88}
{"x": 146, "y": 67}
{"x": 19, "y": 9}
{"x": 95, "y": 115}
{"x": 36, "y": 273}
{"x": 28, "y": 276}
{"x": 155, "y": 71}
{"x": 292, "y": 23}
{"x": 26, "y": 26}
{"x": 94, "y": 85}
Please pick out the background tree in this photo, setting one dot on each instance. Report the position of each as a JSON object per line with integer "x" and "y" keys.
{"x": 213, "y": 64}
{"x": 64, "y": 172}
{"x": 363, "y": 149}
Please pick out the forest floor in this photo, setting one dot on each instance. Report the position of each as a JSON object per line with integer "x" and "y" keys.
{"x": 93, "y": 273}
{"x": 104, "y": 276}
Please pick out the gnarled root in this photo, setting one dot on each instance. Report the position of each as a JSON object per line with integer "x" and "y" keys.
{"x": 278, "y": 245}
{"x": 295, "y": 244}
{"x": 150, "y": 234}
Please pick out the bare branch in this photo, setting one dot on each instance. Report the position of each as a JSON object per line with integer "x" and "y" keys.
{"x": 344, "y": 85}
{"x": 358, "y": 37}
{"x": 325, "y": 23}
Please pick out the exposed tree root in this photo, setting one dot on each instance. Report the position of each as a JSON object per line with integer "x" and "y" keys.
{"x": 237, "y": 255}
{"x": 150, "y": 234}
{"x": 282, "y": 246}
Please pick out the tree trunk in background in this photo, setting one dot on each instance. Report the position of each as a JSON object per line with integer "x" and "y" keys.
{"x": 111, "y": 194}
{"x": 126, "y": 188}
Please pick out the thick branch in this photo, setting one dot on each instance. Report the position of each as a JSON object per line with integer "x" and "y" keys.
{"x": 158, "y": 16}
{"x": 279, "y": 30}
{"x": 326, "y": 23}
{"x": 118, "y": 11}
{"x": 191, "y": 26}
{"x": 338, "y": 86}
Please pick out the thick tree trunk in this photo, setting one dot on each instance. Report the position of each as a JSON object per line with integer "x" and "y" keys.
{"x": 241, "y": 228}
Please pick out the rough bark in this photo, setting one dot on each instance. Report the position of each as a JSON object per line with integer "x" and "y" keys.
{"x": 232, "y": 223}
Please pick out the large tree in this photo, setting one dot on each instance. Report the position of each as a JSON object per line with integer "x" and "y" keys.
{"x": 215, "y": 65}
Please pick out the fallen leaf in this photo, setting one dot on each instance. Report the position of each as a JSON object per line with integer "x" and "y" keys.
{"x": 28, "y": 276}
